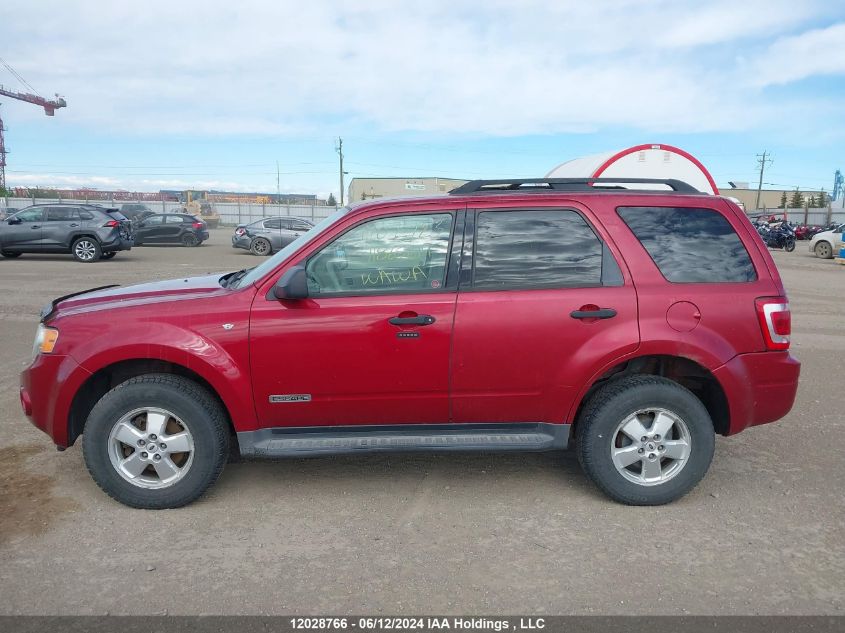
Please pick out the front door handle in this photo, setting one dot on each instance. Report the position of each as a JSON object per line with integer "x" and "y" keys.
{"x": 74, "y": 225}
{"x": 601, "y": 313}
{"x": 422, "y": 319}
{"x": 36, "y": 226}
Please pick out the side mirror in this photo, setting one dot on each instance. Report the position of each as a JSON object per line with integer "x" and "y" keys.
{"x": 292, "y": 285}
{"x": 14, "y": 220}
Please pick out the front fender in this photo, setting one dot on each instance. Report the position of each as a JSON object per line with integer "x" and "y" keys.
{"x": 222, "y": 361}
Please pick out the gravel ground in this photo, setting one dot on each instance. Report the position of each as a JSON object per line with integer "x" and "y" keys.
{"x": 762, "y": 534}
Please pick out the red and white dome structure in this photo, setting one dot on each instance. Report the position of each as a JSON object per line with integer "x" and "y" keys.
{"x": 640, "y": 161}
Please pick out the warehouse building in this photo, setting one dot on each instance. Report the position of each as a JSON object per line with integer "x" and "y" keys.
{"x": 368, "y": 188}
{"x": 769, "y": 198}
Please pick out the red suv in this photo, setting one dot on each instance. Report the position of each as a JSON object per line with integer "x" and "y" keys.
{"x": 633, "y": 324}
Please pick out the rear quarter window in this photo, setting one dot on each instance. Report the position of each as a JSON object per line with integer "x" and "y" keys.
{"x": 690, "y": 245}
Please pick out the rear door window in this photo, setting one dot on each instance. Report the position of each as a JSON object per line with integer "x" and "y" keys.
{"x": 537, "y": 249}
{"x": 690, "y": 245}
{"x": 274, "y": 224}
{"x": 62, "y": 214}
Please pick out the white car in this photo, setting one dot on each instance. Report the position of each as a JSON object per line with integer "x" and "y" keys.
{"x": 827, "y": 243}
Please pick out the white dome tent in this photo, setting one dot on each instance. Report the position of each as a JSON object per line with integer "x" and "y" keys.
{"x": 640, "y": 161}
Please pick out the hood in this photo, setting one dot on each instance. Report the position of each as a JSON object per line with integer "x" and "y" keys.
{"x": 109, "y": 297}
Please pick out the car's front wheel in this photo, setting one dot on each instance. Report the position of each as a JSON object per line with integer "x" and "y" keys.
{"x": 86, "y": 250}
{"x": 823, "y": 250}
{"x": 645, "y": 440}
{"x": 156, "y": 441}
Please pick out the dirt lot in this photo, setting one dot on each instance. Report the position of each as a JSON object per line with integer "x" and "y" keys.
{"x": 763, "y": 533}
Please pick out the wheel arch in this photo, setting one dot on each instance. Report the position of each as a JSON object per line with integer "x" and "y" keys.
{"x": 107, "y": 377}
{"x": 680, "y": 369}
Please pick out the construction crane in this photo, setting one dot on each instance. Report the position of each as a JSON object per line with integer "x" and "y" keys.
{"x": 50, "y": 106}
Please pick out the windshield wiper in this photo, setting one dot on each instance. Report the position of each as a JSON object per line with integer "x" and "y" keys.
{"x": 230, "y": 280}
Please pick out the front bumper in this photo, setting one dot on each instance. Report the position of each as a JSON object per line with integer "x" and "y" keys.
{"x": 47, "y": 389}
{"x": 760, "y": 387}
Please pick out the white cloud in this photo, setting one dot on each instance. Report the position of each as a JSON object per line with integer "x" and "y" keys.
{"x": 816, "y": 52}
{"x": 202, "y": 68}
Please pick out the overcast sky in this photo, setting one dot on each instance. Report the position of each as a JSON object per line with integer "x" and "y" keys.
{"x": 206, "y": 94}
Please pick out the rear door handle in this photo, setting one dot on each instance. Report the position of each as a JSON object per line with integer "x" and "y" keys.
{"x": 36, "y": 226}
{"x": 74, "y": 225}
{"x": 422, "y": 319}
{"x": 601, "y": 313}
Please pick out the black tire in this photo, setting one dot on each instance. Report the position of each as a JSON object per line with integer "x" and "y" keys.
{"x": 599, "y": 422}
{"x": 823, "y": 250}
{"x": 9, "y": 254}
{"x": 86, "y": 250}
{"x": 108, "y": 255}
{"x": 790, "y": 245}
{"x": 204, "y": 418}
{"x": 189, "y": 239}
{"x": 261, "y": 247}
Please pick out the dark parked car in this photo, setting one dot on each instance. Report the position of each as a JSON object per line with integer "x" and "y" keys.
{"x": 136, "y": 212}
{"x": 631, "y": 325}
{"x": 89, "y": 232}
{"x": 266, "y": 236}
{"x": 171, "y": 228}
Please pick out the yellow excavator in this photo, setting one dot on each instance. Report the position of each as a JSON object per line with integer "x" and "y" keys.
{"x": 197, "y": 203}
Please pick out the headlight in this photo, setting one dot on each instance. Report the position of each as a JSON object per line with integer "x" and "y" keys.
{"x": 45, "y": 340}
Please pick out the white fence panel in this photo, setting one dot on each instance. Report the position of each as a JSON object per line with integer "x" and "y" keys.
{"x": 231, "y": 213}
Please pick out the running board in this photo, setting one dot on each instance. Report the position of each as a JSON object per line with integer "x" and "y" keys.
{"x": 325, "y": 440}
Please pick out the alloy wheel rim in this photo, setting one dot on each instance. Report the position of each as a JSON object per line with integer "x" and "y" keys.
{"x": 151, "y": 448}
{"x": 85, "y": 250}
{"x": 260, "y": 247}
{"x": 651, "y": 446}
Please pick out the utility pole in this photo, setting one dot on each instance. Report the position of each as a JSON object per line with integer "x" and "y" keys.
{"x": 339, "y": 149}
{"x": 278, "y": 189}
{"x": 761, "y": 159}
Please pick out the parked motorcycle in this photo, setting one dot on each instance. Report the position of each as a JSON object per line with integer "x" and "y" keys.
{"x": 779, "y": 236}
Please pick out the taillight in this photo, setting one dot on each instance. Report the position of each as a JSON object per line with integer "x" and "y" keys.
{"x": 775, "y": 321}
{"x": 240, "y": 232}
{"x": 111, "y": 224}
{"x": 197, "y": 225}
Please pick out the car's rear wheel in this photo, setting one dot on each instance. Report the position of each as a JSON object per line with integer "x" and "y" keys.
{"x": 156, "y": 441}
{"x": 86, "y": 250}
{"x": 9, "y": 254}
{"x": 261, "y": 247}
{"x": 189, "y": 239}
{"x": 108, "y": 255}
{"x": 823, "y": 250}
{"x": 645, "y": 440}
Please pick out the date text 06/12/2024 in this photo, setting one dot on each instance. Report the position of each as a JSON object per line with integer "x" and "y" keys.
{"x": 417, "y": 623}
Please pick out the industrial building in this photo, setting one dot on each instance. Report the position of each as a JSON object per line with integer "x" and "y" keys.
{"x": 368, "y": 188}
{"x": 769, "y": 198}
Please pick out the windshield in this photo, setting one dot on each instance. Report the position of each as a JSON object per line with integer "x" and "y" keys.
{"x": 259, "y": 271}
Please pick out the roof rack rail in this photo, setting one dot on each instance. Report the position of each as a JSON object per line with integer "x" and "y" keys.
{"x": 549, "y": 185}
